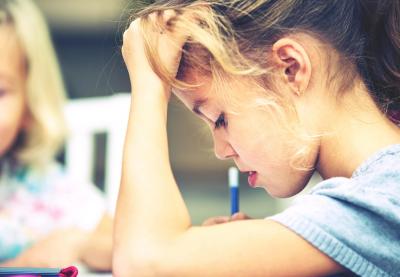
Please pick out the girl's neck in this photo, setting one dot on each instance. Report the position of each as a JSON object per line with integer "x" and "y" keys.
{"x": 357, "y": 130}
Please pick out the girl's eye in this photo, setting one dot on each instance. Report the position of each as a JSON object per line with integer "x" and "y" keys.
{"x": 220, "y": 121}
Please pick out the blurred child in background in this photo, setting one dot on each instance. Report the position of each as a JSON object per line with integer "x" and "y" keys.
{"x": 46, "y": 219}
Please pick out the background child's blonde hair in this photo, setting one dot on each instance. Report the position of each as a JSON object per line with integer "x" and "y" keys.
{"x": 45, "y": 93}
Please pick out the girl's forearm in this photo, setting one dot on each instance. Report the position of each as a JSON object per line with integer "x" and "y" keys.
{"x": 150, "y": 207}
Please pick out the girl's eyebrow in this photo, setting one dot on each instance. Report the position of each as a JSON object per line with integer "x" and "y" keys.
{"x": 197, "y": 105}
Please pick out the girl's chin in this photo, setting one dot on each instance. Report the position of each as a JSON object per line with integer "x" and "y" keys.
{"x": 280, "y": 193}
{"x": 276, "y": 191}
{"x": 281, "y": 188}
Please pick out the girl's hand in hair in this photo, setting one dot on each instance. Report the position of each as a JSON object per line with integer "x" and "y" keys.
{"x": 162, "y": 39}
{"x": 225, "y": 219}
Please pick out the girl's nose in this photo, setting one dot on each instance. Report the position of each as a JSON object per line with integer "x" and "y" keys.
{"x": 222, "y": 148}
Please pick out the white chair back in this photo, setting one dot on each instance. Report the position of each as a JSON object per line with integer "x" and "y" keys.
{"x": 86, "y": 118}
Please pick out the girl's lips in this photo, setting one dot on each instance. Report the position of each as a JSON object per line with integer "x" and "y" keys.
{"x": 252, "y": 179}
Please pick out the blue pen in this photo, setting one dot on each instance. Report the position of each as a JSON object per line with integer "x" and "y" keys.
{"x": 233, "y": 178}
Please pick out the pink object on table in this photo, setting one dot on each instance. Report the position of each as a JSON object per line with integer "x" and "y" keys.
{"x": 71, "y": 271}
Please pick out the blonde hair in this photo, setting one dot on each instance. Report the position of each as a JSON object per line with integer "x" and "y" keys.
{"x": 38, "y": 143}
{"x": 230, "y": 36}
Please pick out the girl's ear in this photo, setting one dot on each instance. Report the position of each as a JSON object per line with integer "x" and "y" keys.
{"x": 294, "y": 64}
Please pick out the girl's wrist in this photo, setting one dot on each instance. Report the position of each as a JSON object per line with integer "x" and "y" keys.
{"x": 152, "y": 93}
{"x": 148, "y": 84}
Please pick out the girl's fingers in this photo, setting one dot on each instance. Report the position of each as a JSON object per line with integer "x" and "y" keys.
{"x": 239, "y": 216}
{"x": 225, "y": 219}
{"x": 163, "y": 21}
{"x": 168, "y": 16}
{"x": 216, "y": 220}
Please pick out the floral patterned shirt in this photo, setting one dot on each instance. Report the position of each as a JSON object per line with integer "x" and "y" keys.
{"x": 33, "y": 204}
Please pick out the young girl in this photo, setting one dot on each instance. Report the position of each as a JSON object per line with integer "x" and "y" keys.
{"x": 287, "y": 88}
{"x": 46, "y": 219}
